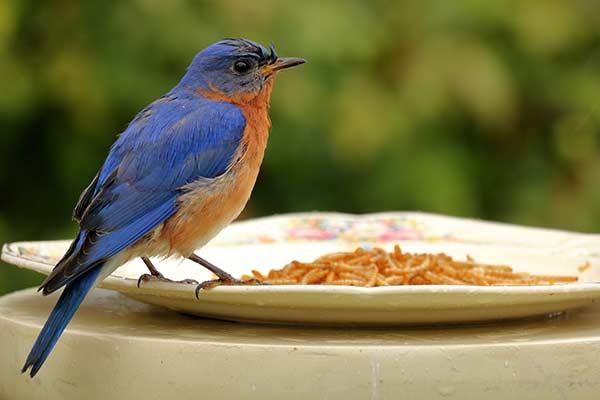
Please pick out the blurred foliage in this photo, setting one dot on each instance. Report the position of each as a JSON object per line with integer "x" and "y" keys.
{"x": 487, "y": 109}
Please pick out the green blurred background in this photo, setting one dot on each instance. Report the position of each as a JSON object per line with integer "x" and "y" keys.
{"x": 487, "y": 109}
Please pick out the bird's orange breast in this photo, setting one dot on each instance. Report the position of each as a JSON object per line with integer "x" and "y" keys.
{"x": 210, "y": 205}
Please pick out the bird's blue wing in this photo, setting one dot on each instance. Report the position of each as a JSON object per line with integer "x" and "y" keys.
{"x": 168, "y": 146}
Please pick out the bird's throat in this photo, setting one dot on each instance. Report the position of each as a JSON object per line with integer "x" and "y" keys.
{"x": 258, "y": 99}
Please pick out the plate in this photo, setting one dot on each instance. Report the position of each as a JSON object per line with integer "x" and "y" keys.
{"x": 271, "y": 242}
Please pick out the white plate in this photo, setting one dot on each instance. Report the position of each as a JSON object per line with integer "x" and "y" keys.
{"x": 271, "y": 242}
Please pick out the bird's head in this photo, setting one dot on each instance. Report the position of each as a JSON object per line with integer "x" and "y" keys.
{"x": 237, "y": 69}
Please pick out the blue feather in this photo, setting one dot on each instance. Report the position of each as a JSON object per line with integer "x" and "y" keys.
{"x": 177, "y": 140}
{"x": 63, "y": 311}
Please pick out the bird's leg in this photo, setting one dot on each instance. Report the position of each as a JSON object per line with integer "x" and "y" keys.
{"x": 151, "y": 267}
{"x": 156, "y": 275}
{"x": 224, "y": 277}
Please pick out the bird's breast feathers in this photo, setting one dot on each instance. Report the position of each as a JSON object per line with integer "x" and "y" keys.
{"x": 208, "y": 205}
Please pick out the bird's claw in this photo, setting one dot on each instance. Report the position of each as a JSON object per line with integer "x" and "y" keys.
{"x": 162, "y": 278}
{"x": 226, "y": 282}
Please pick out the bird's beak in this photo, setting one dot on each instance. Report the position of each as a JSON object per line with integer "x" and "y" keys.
{"x": 282, "y": 63}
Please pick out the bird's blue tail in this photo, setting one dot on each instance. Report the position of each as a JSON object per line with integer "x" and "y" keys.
{"x": 63, "y": 311}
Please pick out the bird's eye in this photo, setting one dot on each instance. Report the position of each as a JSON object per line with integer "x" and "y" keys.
{"x": 242, "y": 66}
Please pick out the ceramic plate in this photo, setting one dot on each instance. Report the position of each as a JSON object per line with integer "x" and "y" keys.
{"x": 271, "y": 242}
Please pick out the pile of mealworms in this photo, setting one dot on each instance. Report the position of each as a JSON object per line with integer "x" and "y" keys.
{"x": 376, "y": 267}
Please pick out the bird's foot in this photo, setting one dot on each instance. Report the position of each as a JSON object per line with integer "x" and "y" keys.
{"x": 227, "y": 282}
{"x": 161, "y": 278}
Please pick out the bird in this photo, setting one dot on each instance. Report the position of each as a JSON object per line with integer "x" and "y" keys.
{"x": 181, "y": 171}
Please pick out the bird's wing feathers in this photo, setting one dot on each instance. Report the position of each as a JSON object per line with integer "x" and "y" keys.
{"x": 165, "y": 148}
{"x": 84, "y": 200}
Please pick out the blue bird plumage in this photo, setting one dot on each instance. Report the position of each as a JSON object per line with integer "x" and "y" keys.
{"x": 132, "y": 195}
{"x": 67, "y": 304}
{"x": 181, "y": 139}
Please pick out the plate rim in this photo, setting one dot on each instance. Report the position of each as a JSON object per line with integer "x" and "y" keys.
{"x": 344, "y": 299}
{"x": 128, "y": 285}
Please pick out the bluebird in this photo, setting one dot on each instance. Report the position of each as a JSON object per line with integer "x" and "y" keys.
{"x": 181, "y": 171}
